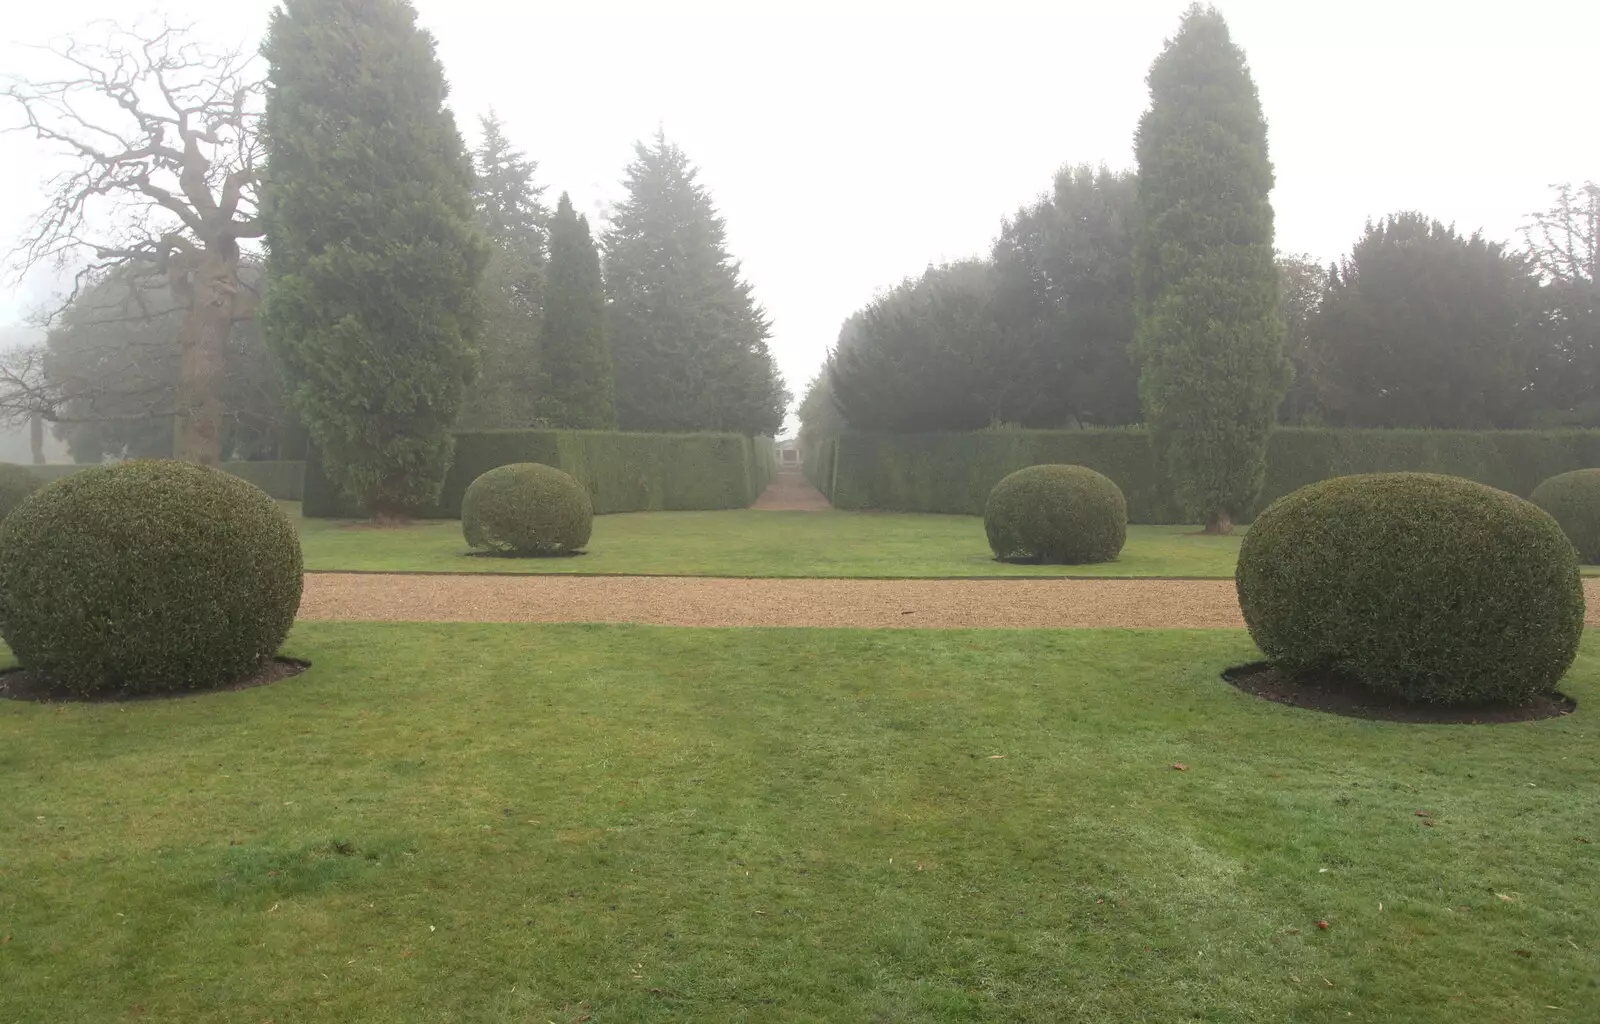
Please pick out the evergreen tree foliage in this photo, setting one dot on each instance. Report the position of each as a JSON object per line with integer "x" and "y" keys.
{"x": 375, "y": 253}
{"x": 921, "y": 356}
{"x": 512, "y": 216}
{"x": 576, "y": 388}
{"x": 1422, "y": 327}
{"x": 688, "y": 340}
{"x": 1210, "y": 335}
{"x": 1064, "y": 295}
{"x": 1302, "y": 282}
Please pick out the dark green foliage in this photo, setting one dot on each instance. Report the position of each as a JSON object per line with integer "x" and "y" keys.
{"x": 1037, "y": 336}
{"x": 1302, "y": 283}
{"x": 1058, "y": 515}
{"x": 621, "y": 472}
{"x": 16, "y": 483}
{"x": 1064, "y": 298}
{"x": 575, "y": 363}
{"x": 145, "y": 577}
{"x": 913, "y": 359}
{"x": 1573, "y": 500}
{"x": 687, "y": 338}
{"x": 1422, "y": 327}
{"x": 1433, "y": 588}
{"x": 954, "y": 473}
{"x": 527, "y": 509}
{"x": 375, "y": 253}
{"x": 1210, "y": 335}
{"x": 512, "y": 287}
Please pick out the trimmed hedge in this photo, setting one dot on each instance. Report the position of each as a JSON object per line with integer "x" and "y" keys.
{"x": 1058, "y": 515}
{"x": 281, "y": 480}
{"x": 145, "y": 577}
{"x": 955, "y": 472}
{"x": 622, "y": 472}
{"x": 16, "y": 483}
{"x": 1430, "y": 587}
{"x": 1573, "y": 500}
{"x": 527, "y": 509}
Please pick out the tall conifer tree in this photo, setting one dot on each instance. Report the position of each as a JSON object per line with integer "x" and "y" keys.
{"x": 575, "y": 365}
{"x": 687, "y": 338}
{"x": 375, "y": 253}
{"x": 1209, "y": 335}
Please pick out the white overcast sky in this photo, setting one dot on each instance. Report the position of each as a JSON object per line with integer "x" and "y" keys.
{"x": 850, "y": 144}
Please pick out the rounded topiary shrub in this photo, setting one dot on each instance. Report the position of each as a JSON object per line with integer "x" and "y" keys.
{"x": 1573, "y": 500}
{"x": 16, "y": 483}
{"x": 145, "y": 577}
{"x": 527, "y": 509}
{"x": 1432, "y": 588}
{"x": 1067, "y": 515}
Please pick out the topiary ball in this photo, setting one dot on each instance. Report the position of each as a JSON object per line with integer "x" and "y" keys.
{"x": 16, "y": 483}
{"x": 527, "y": 509}
{"x": 147, "y": 577}
{"x": 1573, "y": 500}
{"x": 1432, "y": 588}
{"x": 1066, "y": 515}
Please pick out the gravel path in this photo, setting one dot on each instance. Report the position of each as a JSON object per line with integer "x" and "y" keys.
{"x": 704, "y": 601}
{"x": 791, "y": 492}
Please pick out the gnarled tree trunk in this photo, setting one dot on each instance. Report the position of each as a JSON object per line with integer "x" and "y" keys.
{"x": 211, "y": 286}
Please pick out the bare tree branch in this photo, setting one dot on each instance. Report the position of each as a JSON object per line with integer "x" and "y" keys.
{"x": 161, "y": 135}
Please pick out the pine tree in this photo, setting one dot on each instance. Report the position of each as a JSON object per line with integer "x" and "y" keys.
{"x": 371, "y": 300}
{"x": 687, "y": 338}
{"x": 1209, "y": 336}
{"x": 506, "y": 391}
{"x": 575, "y": 365}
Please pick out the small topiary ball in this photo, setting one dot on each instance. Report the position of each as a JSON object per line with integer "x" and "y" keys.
{"x": 147, "y": 577}
{"x": 1061, "y": 515}
{"x": 1433, "y": 588}
{"x": 1573, "y": 500}
{"x": 16, "y": 483}
{"x": 527, "y": 509}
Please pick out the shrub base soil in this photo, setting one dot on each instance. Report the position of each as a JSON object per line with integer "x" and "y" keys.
{"x": 1321, "y": 691}
{"x": 21, "y": 684}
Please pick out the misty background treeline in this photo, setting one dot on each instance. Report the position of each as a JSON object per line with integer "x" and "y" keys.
{"x": 650, "y": 327}
{"x": 1419, "y": 325}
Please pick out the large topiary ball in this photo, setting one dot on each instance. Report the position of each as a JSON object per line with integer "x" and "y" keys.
{"x": 1068, "y": 515}
{"x": 16, "y": 483}
{"x": 1432, "y": 588}
{"x": 145, "y": 577}
{"x": 1573, "y": 500}
{"x": 527, "y": 509}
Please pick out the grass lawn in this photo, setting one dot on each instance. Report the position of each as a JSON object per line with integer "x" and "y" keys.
{"x": 567, "y": 823}
{"x": 746, "y": 543}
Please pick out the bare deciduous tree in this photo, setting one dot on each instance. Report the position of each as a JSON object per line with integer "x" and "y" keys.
{"x": 163, "y": 184}
{"x": 1564, "y": 241}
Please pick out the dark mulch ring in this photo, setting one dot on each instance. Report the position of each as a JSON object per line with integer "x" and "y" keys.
{"x": 1322, "y": 691}
{"x": 20, "y": 684}
{"x": 514, "y": 554}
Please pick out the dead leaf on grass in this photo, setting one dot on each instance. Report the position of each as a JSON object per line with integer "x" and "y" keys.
{"x": 996, "y": 757}
{"x": 1180, "y": 767}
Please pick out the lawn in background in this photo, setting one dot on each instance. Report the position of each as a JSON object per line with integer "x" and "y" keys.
{"x": 749, "y": 543}
{"x": 498, "y": 823}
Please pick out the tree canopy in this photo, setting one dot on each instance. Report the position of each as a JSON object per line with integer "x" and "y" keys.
{"x": 688, "y": 340}
{"x": 1210, "y": 333}
{"x": 575, "y": 364}
{"x": 371, "y": 298}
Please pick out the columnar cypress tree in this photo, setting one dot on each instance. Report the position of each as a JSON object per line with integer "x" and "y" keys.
{"x": 688, "y": 339}
{"x": 575, "y": 364}
{"x": 512, "y": 287}
{"x": 1209, "y": 337}
{"x": 375, "y": 253}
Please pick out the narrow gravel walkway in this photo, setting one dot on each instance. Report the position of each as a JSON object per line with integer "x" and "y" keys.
{"x": 707, "y": 601}
{"x": 791, "y": 492}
